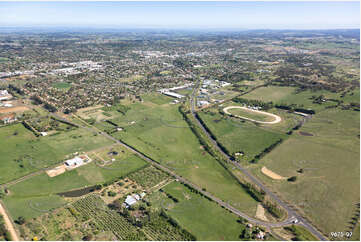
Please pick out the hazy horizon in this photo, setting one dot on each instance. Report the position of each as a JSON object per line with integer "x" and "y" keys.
{"x": 182, "y": 15}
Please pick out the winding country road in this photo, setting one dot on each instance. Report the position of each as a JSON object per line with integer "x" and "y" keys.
{"x": 292, "y": 214}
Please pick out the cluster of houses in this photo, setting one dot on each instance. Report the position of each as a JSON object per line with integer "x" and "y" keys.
{"x": 133, "y": 199}
{"x": 8, "y": 118}
{"x": 210, "y": 87}
{"x": 4, "y": 97}
{"x": 214, "y": 84}
{"x": 76, "y": 68}
{"x": 15, "y": 73}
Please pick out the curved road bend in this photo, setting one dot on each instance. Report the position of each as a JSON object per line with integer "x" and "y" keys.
{"x": 292, "y": 214}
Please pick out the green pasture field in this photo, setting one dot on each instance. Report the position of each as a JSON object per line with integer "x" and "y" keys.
{"x": 356, "y": 233}
{"x": 46, "y": 188}
{"x": 96, "y": 112}
{"x": 239, "y": 136}
{"x": 301, "y": 233}
{"x": 250, "y": 114}
{"x": 61, "y": 85}
{"x": 156, "y": 98}
{"x": 287, "y": 95}
{"x": 184, "y": 91}
{"x": 26, "y": 153}
{"x": 32, "y": 207}
{"x": 204, "y": 219}
{"x": 327, "y": 149}
{"x": 97, "y": 172}
{"x": 160, "y": 132}
{"x": 352, "y": 96}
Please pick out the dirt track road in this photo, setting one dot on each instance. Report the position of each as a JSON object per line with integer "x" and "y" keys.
{"x": 277, "y": 119}
{"x": 9, "y": 225}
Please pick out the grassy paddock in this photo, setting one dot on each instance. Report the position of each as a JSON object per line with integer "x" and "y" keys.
{"x": 204, "y": 219}
{"x": 26, "y": 153}
{"x": 61, "y": 85}
{"x": 329, "y": 160}
{"x": 239, "y": 136}
{"x": 160, "y": 132}
{"x": 287, "y": 95}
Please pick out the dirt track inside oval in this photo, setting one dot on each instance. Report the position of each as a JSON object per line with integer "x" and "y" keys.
{"x": 276, "y": 120}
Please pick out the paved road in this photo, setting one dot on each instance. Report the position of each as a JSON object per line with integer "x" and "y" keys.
{"x": 292, "y": 214}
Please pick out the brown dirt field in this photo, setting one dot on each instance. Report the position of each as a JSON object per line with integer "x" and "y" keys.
{"x": 271, "y": 174}
{"x": 119, "y": 190}
{"x": 56, "y": 171}
{"x": 260, "y": 213}
{"x": 14, "y": 109}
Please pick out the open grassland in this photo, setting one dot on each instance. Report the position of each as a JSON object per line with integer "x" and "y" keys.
{"x": 287, "y": 95}
{"x": 239, "y": 136}
{"x": 204, "y": 219}
{"x": 352, "y": 96}
{"x": 156, "y": 98}
{"x": 160, "y": 132}
{"x": 25, "y": 152}
{"x": 301, "y": 233}
{"x": 62, "y": 85}
{"x": 95, "y": 113}
{"x": 326, "y": 164}
{"x": 42, "y": 186}
{"x": 184, "y": 91}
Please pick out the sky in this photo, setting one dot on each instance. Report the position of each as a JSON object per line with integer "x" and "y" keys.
{"x": 183, "y": 15}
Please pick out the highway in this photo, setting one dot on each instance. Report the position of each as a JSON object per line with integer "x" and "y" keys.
{"x": 292, "y": 214}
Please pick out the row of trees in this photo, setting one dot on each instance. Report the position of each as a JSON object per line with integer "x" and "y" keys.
{"x": 258, "y": 103}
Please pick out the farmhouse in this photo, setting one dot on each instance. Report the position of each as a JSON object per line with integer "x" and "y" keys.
{"x": 4, "y": 95}
{"x": 129, "y": 201}
{"x": 133, "y": 199}
{"x": 76, "y": 162}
